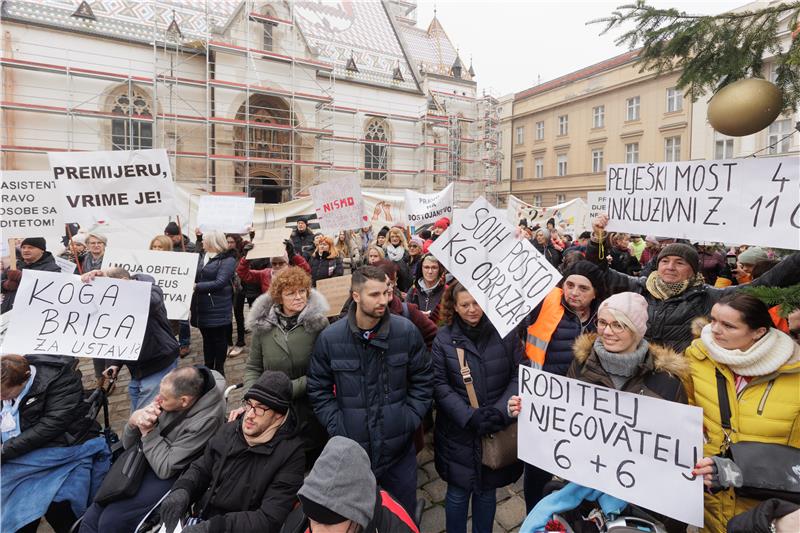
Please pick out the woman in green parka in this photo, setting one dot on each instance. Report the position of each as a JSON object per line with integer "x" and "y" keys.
{"x": 285, "y": 323}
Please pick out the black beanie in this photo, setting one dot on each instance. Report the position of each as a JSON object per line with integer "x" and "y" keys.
{"x": 304, "y": 220}
{"x": 384, "y": 231}
{"x": 172, "y": 229}
{"x": 319, "y": 513}
{"x": 37, "y": 242}
{"x": 684, "y": 251}
{"x": 272, "y": 389}
{"x": 591, "y": 272}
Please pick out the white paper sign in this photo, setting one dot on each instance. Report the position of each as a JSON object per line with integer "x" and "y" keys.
{"x": 424, "y": 209}
{"x": 598, "y": 203}
{"x": 66, "y": 266}
{"x": 749, "y": 201}
{"x": 30, "y": 206}
{"x": 505, "y": 274}
{"x": 339, "y": 205}
{"x": 570, "y": 217}
{"x": 115, "y": 184}
{"x": 59, "y": 314}
{"x": 631, "y": 446}
{"x": 173, "y": 271}
{"x": 231, "y": 214}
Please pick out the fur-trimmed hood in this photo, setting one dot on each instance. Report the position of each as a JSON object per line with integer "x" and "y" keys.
{"x": 263, "y": 314}
{"x": 664, "y": 359}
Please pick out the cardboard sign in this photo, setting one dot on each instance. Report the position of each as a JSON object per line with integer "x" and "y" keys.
{"x": 505, "y": 274}
{"x": 58, "y": 314}
{"x": 336, "y": 291}
{"x": 231, "y": 214}
{"x": 750, "y": 201}
{"x": 66, "y": 266}
{"x": 174, "y": 272}
{"x": 339, "y": 205}
{"x": 634, "y": 447}
{"x": 30, "y": 206}
{"x": 424, "y": 209}
{"x": 115, "y": 184}
{"x": 598, "y": 203}
{"x": 269, "y": 243}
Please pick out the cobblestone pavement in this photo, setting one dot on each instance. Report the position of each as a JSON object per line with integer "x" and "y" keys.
{"x": 510, "y": 501}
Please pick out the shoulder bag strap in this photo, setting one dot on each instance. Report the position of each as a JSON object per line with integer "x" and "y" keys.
{"x": 466, "y": 375}
{"x": 724, "y": 408}
{"x": 172, "y": 425}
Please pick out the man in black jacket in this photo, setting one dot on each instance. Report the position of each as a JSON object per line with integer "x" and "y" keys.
{"x": 303, "y": 239}
{"x": 34, "y": 257}
{"x": 180, "y": 242}
{"x": 249, "y": 474}
{"x": 159, "y": 353}
{"x": 370, "y": 380}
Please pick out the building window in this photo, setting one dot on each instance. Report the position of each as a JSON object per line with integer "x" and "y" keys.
{"x": 129, "y": 133}
{"x": 563, "y": 124}
{"x": 519, "y": 169}
{"x": 538, "y": 167}
{"x": 540, "y": 131}
{"x": 599, "y": 116}
{"x": 376, "y": 151}
{"x": 520, "y": 134}
{"x": 499, "y": 140}
{"x": 674, "y": 100}
{"x": 723, "y": 147}
{"x": 269, "y": 28}
{"x": 780, "y": 138}
{"x": 561, "y": 198}
{"x": 597, "y": 160}
{"x": 672, "y": 149}
{"x": 537, "y": 200}
{"x": 632, "y": 153}
{"x": 632, "y": 108}
{"x": 561, "y": 165}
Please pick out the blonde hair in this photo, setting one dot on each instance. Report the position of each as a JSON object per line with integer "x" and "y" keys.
{"x": 215, "y": 242}
{"x": 377, "y": 249}
{"x": 343, "y": 247}
{"x": 163, "y": 240}
{"x": 399, "y": 233}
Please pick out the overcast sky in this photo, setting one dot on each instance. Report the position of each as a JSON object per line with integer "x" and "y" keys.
{"x": 514, "y": 43}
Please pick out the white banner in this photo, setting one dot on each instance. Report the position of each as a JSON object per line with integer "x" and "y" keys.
{"x": 424, "y": 209}
{"x": 339, "y": 205}
{"x": 631, "y": 446}
{"x": 750, "y": 201}
{"x": 231, "y": 214}
{"x": 570, "y": 217}
{"x": 58, "y": 314}
{"x": 115, "y": 184}
{"x": 173, "y": 271}
{"x": 505, "y": 274}
{"x": 598, "y": 203}
{"x": 31, "y": 206}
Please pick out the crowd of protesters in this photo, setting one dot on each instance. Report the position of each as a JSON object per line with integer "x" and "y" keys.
{"x": 336, "y": 402}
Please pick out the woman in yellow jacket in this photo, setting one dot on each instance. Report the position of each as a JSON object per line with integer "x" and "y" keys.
{"x": 761, "y": 367}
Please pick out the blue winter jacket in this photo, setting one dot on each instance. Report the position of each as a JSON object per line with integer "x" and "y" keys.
{"x": 374, "y": 391}
{"x": 559, "y": 351}
{"x": 212, "y": 305}
{"x": 494, "y": 367}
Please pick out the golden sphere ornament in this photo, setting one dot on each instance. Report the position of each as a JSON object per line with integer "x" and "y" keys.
{"x": 744, "y": 107}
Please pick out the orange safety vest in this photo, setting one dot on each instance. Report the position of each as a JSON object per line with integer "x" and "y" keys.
{"x": 780, "y": 322}
{"x": 541, "y": 331}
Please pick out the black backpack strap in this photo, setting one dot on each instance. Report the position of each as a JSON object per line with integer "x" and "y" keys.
{"x": 724, "y": 403}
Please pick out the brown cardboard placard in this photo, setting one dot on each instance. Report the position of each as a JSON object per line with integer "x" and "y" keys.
{"x": 336, "y": 291}
{"x": 269, "y": 243}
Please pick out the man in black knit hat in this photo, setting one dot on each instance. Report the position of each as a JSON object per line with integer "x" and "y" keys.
{"x": 34, "y": 257}
{"x": 180, "y": 242}
{"x": 251, "y": 470}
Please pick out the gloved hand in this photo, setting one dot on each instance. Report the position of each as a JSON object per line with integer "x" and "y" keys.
{"x": 486, "y": 420}
{"x": 173, "y": 507}
{"x": 289, "y": 249}
{"x": 202, "y": 527}
{"x": 13, "y": 275}
{"x": 725, "y": 474}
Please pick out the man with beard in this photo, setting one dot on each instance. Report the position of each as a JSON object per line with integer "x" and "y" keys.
{"x": 34, "y": 257}
{"x": 369, "y": 380}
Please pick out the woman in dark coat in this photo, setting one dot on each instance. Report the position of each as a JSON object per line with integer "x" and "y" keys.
{"x": 493, "y": 363}
{"x": 428, "y": 288}
{"x": 541, "y": 241}
{"x": 325, "y": 263}
{"x": 212, "y": 306}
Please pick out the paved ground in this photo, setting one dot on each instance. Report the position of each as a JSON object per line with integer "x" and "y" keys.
{"x": 510, "y": 502}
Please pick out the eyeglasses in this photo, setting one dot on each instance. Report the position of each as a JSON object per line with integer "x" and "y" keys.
{"x": 616, "y": 327}
{"x": 259, "y": 410}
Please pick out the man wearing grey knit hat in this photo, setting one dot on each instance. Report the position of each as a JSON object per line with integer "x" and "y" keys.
{"x": 340, "y": 494}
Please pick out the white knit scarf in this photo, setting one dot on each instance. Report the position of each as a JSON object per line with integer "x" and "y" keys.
{"x": 764, "y": 357}
{"x": 395, "y": 253}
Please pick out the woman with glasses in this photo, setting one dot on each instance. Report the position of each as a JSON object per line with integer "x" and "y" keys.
{"x": 285, "y": 323}
{"x": 96, "y": 248}
{"x": 428, "y": 287}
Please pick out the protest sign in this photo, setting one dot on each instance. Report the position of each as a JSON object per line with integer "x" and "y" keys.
{"x": 750, "y": 201}
{"x": 339, "y": 205}
{"x": 66, "y": 266}
{"x": 424, "y": 209}
{"x": 336, "y": 291}
{"x": 505, "y": 274}
{"x": 269, "y": 243}
{"x": 598, "y": 203}
{"x": 114, "y": 184}
{"x": 30, "y": 206}
{"x": 173, "y": 272}
{"x": 631, "y": 446}
{"x": 570, "y": 217}
{"x": 231, "y": 214}
{"x": 59, "y": 314}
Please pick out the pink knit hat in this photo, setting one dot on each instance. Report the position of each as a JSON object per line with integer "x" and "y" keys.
{"x": 629, "y": 309}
